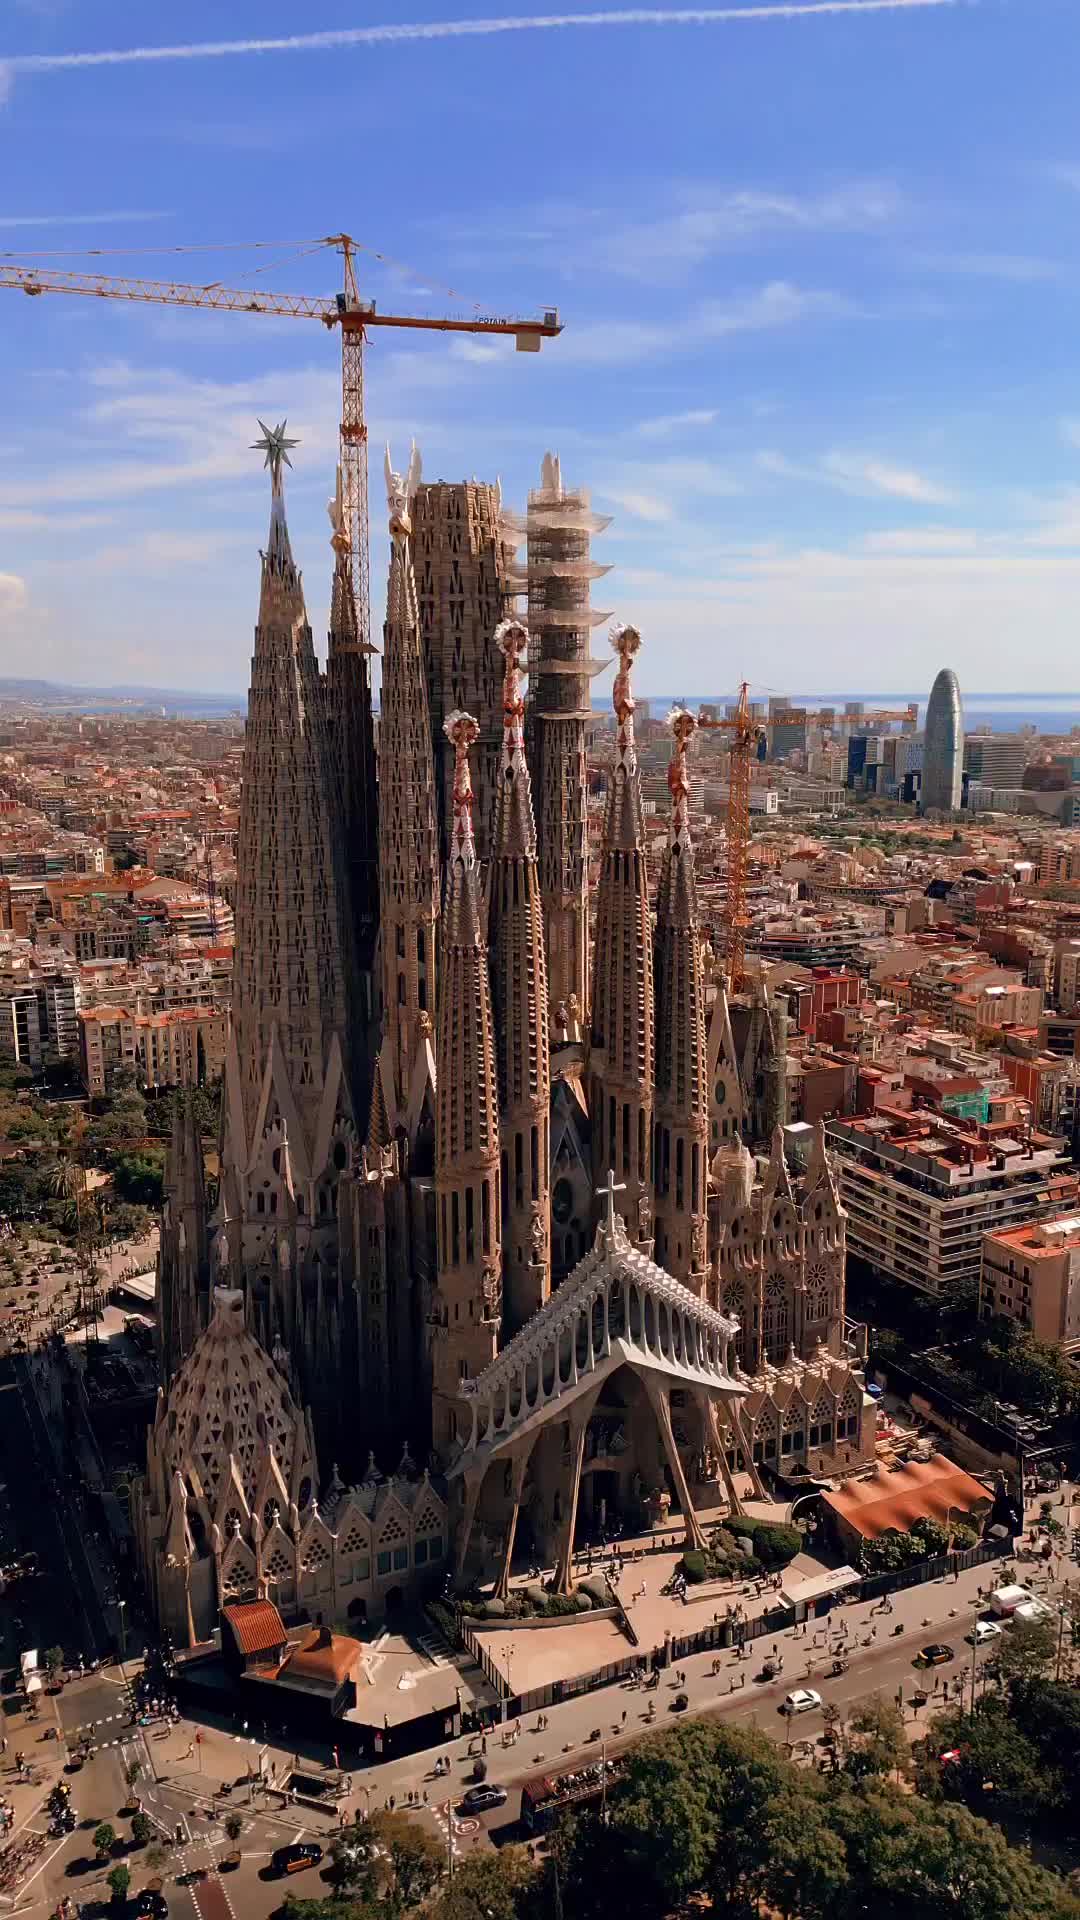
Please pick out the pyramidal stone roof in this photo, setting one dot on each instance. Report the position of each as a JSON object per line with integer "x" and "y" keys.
{"x": 230, "y": 1404}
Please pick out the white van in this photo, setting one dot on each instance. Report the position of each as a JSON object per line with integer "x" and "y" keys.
{"x": 1005, "y": 1600}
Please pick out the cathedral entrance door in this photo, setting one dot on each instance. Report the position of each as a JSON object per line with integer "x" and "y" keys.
{"x": 603, "y": 1488}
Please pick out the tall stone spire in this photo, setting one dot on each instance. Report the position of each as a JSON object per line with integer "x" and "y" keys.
{"x": 183, "y": 1266}
{"x": 288, "y": 1007}
{"x": 348, "y": 685}
{"x": 682, "y": 1097}
{"x": 621, "y": 1060}
{"x": 468, "y": 1302}
{"x": 408, "y": 858}
{"x": 560, "y": 524}
{"x": 519, "y": 994}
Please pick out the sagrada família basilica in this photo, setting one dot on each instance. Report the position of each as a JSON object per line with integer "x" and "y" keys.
{"x": 504, "y": 1246}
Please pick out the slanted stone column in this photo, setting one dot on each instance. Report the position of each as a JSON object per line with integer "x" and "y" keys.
{"x": 473, "y": 1480}
{"x": 578, "y": 1421}
{"x": 521, "y": 1454}
{"x": 658, "y": 1400}
{"x": 711, "y": 1420}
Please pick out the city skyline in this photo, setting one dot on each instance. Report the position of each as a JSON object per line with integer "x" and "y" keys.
{"x": 829, "y": 402}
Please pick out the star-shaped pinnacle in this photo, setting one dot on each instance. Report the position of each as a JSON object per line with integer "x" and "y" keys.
{"x": 276, "y": 446}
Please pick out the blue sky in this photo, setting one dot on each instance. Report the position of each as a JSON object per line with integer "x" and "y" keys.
{"x": 821, "y": 286}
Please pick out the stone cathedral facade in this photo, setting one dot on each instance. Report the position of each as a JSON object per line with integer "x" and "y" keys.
{"x": 503, "y": 1187}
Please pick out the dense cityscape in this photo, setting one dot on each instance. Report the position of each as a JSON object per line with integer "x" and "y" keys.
{"x": 540, "y": 1000}
{"x": 627, "y": 1184}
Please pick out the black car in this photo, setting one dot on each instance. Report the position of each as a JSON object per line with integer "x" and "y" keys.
{"x": 151, "y": 1905}
{"x": 305, "y": 1853}
{"x": 479, "y": 1798}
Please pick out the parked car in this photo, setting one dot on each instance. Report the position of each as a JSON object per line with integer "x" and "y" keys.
{"x": 151, "y": 1905}
{"x": 303, "y": 1853}
{"x": 478, "y": 1799}
{"x": 802, "y": 1700}
{"x": 983, "y": 1630}
{"x": 934, "y": 1655}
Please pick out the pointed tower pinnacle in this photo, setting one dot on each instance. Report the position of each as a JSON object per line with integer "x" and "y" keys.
{"x": 682, "y": 1100}
{"x": 352, "y": 737}
{"x": 288, "y": 991}
{"x": 468, "y": 1300}
{"x": 520, "y": 999}
{"x": 621, "y": 1061}
{"x": 408, "y": 859}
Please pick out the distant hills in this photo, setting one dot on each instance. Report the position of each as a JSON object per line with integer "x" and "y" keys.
{"x": 66, "y": 697}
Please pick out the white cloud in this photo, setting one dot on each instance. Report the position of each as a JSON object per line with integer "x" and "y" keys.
{"x": 775, "y": 306}
{"x": 13, "y": 595}
{"x": 883, "y": 622}
{"x": 715, "y": 220}
{"x": 1021, "y": 268}
{"x": 859, "y": 473}
{"x": 928, "y": 540}
{"x": 640, "y": 506}
{"x": 864, "y": 471}
{"x": 667, "y": 424}
{"x": 69, "y": 219}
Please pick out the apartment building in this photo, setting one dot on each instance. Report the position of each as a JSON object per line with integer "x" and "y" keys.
{"x": 179, "y": 1047}
{"x": 922, "y": 1191}
{"x": 1031, "y": 1274}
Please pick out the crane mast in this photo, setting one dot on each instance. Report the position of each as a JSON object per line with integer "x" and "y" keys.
{"x": 345, "y": 310}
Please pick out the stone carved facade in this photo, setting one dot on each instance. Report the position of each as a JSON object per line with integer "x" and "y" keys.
{"x": 392, "y": 1276}
{"x": 229, "y": 1507}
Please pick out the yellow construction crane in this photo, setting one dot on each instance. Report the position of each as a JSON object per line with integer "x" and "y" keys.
{"x": 345, "y": 310}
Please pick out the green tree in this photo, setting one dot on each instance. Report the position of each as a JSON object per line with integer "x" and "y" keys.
{"x": 1027, "y": 1650}
{"x": 139, "y": 1178}
{"x": 805, "y": 1872}
{"x": 141, "y": 1828}
{"x": 234, "y": 1825}
{"x": 876, "y": 1740}
{"x": 132, "y": 1774}
{"x": 998, "y": 1765}
{"x": 54, "y": 1662}
{"x": 411, "y": 1864}
{"x": 488, "y": 1886}
{"x": 118, "y": 1882}
{"x": 104, "y": 1839}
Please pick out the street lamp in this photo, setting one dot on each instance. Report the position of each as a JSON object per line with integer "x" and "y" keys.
{"x": 120, "y": 1605}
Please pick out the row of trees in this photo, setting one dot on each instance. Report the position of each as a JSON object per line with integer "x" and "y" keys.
{"x": 719, "y": 1817}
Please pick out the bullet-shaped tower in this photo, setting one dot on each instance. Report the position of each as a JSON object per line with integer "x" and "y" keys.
{"x": 520, "y": 998}
{"x": 621, "y": 1058}
{"x": 352, "y": 737}
{"x": 468, "y": 1301}
{"x": 681, "y": 1134}
{"x": 288, "y": 984}
{"x": 408, "y": 845}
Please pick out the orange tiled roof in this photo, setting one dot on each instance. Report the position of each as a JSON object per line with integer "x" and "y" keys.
{"x": 257, "y": 1625}
{"x": 919, "y": 1490}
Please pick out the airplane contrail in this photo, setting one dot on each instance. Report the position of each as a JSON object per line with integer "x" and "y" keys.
{"x": 390, "y": 35}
